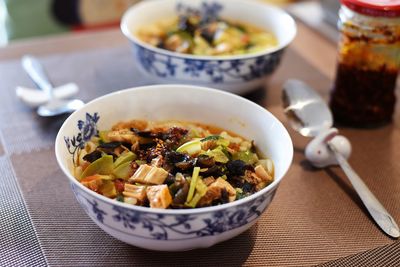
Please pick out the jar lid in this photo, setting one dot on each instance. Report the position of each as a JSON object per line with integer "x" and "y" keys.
{"x": 381, "y": 8}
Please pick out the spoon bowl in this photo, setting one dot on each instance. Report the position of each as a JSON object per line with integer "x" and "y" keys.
{"x": 58, "y": 107}
{"x": 307, "y": 112}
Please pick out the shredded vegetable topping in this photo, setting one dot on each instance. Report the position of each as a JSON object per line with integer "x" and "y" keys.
{"x": 202, "y": 32}
{"x": 171, "y": 165}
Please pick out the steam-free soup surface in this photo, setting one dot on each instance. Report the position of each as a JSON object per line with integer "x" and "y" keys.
{"x": 194, "y": 34}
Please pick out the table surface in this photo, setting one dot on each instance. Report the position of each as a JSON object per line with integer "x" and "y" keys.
{"x": 316, "y": 52}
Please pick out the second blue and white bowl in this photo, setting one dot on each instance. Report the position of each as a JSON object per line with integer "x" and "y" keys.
{"x": 236, "y": 74}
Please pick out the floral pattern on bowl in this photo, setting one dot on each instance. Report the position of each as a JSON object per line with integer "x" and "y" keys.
{"x": 87, "y": 129}
{"x": 170, "y": 227}
{"x": 206, "y": 71}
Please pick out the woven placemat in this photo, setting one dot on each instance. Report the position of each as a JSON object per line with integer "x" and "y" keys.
{"x": 315, "y": 217}
{"x": 386, "y": 256}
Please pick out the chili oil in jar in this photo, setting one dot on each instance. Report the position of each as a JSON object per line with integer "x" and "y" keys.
{"x": 363, "y": 93}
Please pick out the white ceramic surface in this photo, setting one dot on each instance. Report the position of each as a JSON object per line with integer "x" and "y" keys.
{"x": 318, "y": 152}
{"x": 237, "y": 74}
{"x": 34, "y": 97}
{"x": 175, "y": 230}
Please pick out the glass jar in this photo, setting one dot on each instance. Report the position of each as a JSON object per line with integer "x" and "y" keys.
{"x": 363, "y": 93}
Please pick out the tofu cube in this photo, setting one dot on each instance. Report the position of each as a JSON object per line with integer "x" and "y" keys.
{"x": 214, "y": 192}
{"x": 159, "y": 196}
{"x": 135, "y": 191}
{"x": 263, "y": 174}
{"x": 149, "y": 175}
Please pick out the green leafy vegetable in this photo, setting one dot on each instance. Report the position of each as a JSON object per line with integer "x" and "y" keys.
{"x": 108, "y": 188}
{"x": 201, "y": 190}
{"x": 239, "y": 193}
{"x": 103, "y": 165}
{"x": 125, "y": 157}
{"x": 193, "y": 182}
{"x": 191, "y": 147}
{"x": 211, "y": 137}
{"x": 123, "y": 171}
{"x": 218, "y": 155}
{"x": 246, "y": 156}
{"x": 219, "y": 140}
{"x": 120, "y": 198}
{"x": 103, "y": 136}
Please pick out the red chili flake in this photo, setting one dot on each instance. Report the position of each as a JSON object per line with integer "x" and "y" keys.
{"x": 119, "y": 185}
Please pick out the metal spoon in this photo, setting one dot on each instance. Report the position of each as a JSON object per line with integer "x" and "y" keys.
{"x": 54, "y": 106}
{"x": 309, "y": 115}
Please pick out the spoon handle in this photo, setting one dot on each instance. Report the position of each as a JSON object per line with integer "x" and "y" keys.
{"x": 381, "y": 216}
{"x": 36, "y": 71}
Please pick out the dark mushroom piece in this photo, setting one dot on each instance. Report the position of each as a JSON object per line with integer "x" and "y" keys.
{"x": 180, "y": 160}
{"x": 175, "y": 157}
{"x": 113, "y": 145}
{"x": 179, "y": 41}
{"x": 215, "y": 171}
{"x": 92, "y": 156}
{"x": 113, "y": 148}
{"x": 186, "y": 165}
{"x": 224, "y": 196}
{"x": 248, "y": 188}
{"x": 147, "y": 145}
{"x": 236, "y": 167}
{"x": 170, "y": 179}
{"x": 180, "y": 196}
{"x": 211, "y": 30}
{"x": 147, "y": 134}
{"x": 185, "y": 24}
{"x": 205, "y": 161}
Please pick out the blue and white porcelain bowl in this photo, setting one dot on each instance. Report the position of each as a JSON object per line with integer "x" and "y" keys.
{"x": 237, "y": 74}
{"x": 174, "y": 229}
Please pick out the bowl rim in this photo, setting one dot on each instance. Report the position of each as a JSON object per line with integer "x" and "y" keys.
{"x": 256, "y": 4}
{"x": 60, "y": 137}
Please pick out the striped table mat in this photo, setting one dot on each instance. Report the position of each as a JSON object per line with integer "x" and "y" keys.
{"x": 315, "y": 218}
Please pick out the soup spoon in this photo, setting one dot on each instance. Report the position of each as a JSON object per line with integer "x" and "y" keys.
{"x": 54, "y": 106}
{"x": 309, "y": 115}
